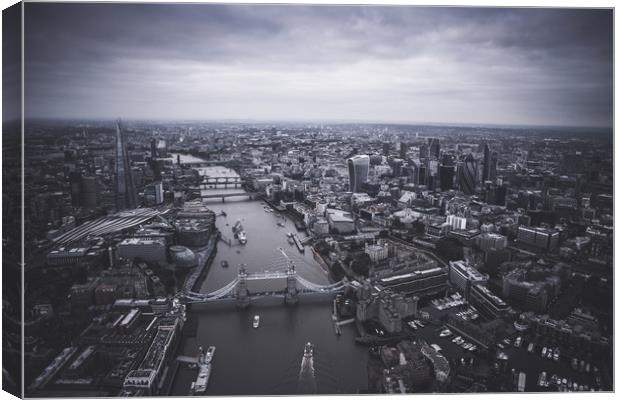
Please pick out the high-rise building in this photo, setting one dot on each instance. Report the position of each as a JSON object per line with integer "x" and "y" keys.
{"x": 159, "y": 193}
{"x": 489, "y": 166}
{"x": 485, "y": 163}
{"x": 446, "y": 173}
{"x": 423, "y": 152}
{"x": 358, "y": 171}
{"x": 162, "y": 148}
{"x": 468, "y": 175}
{"x": 493, "y": 166}
{"x": 75, "y": 179}
{"x": 500, "y": 195}
{"x": 434, "y": 148}
{"x": 397, "y": 167}
{"x": 446, "y": 177}
{"x": 89, "y": 192}
{"x": 404, "y": 148}
{"x": 125, "y": 189}
{"x": 420, "y": 173}
{"x": 386, "y": 148}
{"x": 153, "y": 148}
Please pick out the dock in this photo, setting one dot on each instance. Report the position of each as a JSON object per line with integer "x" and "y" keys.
{"x": 300, "y": 246}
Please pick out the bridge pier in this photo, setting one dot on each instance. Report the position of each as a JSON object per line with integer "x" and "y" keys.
{"x": 291, "y": 293}
{"x": 243, "y": 294}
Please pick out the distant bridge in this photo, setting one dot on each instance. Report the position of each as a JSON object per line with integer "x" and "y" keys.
{"x": 237, "y": 289}
{"x": 223, "y": 196}
{"x": 225, "y": 181}
{"x": 205, "y": 163}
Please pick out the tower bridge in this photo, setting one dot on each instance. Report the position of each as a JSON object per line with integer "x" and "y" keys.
{"x": 238, "y": 291}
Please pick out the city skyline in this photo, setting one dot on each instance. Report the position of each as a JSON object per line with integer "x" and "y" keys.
{"x": 331, "y": 63}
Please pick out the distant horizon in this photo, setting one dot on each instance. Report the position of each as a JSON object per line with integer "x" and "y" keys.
{"x": 315, "y": 122}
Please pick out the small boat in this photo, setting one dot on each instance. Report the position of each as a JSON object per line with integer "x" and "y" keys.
{"x": 224, "y": 264}
{"x": 256, "y": 321}
{"x": 223, "y": 213}
{"x": 308, "y": 350}
{"x": 209, "y": 354}
{"x": 242, "y": 237}
{"x": 280, "y": 224}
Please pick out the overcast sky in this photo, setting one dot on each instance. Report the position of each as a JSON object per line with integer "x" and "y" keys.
{"x": 320, "y": 63}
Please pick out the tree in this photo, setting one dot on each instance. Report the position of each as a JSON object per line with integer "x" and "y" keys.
{"x": 418, "y": 227}
{"x": 361, "y": 264}
{"x": 450, "y": 249}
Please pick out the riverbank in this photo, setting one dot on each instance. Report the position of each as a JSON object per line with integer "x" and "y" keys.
{"x": 205, "y": 257}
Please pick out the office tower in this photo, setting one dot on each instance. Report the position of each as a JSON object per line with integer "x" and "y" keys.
{"x": 423, "y": 155}
{"x": 434, "y": 148}
{"x": 446, "y": 173}
{"x": 404, "y": 148}
{"x": 75, "y": 178}
{"x": 489, "y": 166}
{"x": 500, "y": 195}
{"x": 159, "y": 193}
{"x": 162, "y": 148}
{"x": 153, "y": 148}
{"x": 89, "y": 192}
{"x": 358, "y": 171}
{"x": 397, "y": 167}
{"x": 493, "y": 167}
{"x": 159, "y": 149}
{"x": 422, "y": 174}
{"x": 125, "y": 189}
{"x": 468, "y": 175}
{"x": 486, "y": 162}
{"x": 386, "y": 148}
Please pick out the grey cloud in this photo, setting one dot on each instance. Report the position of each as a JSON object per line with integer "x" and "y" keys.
{"x": 194, "y": 55}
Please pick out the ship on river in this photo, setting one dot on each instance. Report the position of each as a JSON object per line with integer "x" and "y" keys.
{"x": 307, "y": 380}
{"x": 239, "y": 232}
{"x": 199, "y": 386}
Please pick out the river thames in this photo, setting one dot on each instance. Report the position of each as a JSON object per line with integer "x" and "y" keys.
{"x": 266, "y": 360}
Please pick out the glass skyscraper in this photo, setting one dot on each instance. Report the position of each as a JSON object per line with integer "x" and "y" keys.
{"x": 358, "y": 171}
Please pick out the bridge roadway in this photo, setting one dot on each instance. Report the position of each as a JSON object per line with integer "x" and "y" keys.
{"x": 222, "y": 196}
{"x": 237, "y": 288}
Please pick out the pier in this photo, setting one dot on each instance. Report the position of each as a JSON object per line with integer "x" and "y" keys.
{"x": 298, "y": 243}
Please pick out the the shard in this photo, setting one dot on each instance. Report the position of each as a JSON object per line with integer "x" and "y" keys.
{"x": 125, "y": 189}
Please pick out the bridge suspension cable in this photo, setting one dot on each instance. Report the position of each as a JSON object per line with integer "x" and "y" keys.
{"x": 215, "y": 294}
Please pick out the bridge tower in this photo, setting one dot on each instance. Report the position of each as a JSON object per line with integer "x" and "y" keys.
{"x": 291, "y": 293}
{"x": 243, "y": 294}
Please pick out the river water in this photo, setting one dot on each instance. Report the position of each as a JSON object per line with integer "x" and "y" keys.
{"x": 267, "y": 360}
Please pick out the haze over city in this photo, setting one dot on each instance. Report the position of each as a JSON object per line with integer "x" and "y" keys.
{"x": 320, "y": 63}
